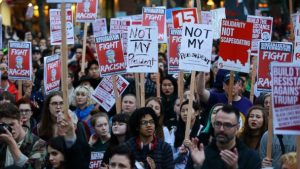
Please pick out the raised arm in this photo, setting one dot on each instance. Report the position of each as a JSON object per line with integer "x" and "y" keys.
{"x": 202, "y": 92}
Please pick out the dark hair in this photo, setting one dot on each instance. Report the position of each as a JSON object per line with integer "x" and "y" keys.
{"x": 45, "y": 129}
{"x": 92, "y": 62}
{"x": 24, "y": 101}
{"x": 228, "y": 109}
{"x": 172, "y": 80}
{"x": 128, "y": 94}
{"x": 57, "y": 143}
{"x": 7, "y": 96}
{"x": 137, "y": 115}
{"x": 124, "y": 150}
{"x": 96, "y": 116}
{"x": 179, "y": 133}
{"x": 9, "y": 110}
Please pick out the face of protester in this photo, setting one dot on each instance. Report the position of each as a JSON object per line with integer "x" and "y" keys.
{"x": 155, "y": 106}
{"x": 26, "y": 112}
{"x": 5, "y": 59}
{"x": 36, "y": 56}
{"x": 184, "y": 113}
{"x": 101, "y": 127}
{"x": 128, "y": 104}
{"x": 56, "y": 105}
{"x": 206, "y": 77}
{"x": 147, "y": 126}
{"x": 94, "y": 71}
{"x": 187, "y": 95}
{"x": 55, "y": 157}
{"x": 177, "y": 107}
{"x": 119, "y": 162}
{"x": 267, "y": 102}
{"x": 16, "y": 126}
{"x": 153, "y": 77}
{"x": 167, "y": 87}
{"x": 81, "y": 98}
{"x": 214, "y": 112}
{"x": 78, "y": 53}
{"x": 119, "y": 128}
{"x": 255, "y": 120}
{"x": 226, "y": 127}
{"x": 235, "y": 88}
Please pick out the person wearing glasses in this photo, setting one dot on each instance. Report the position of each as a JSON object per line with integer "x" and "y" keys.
{"x": 226, "y": 150}
{"x": 25, "y": 108}
{"x": 149, "y": 151}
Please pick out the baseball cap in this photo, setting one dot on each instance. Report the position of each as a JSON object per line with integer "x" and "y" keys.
{"x": 227, "y": 77}
{"x": 36, "y": 49}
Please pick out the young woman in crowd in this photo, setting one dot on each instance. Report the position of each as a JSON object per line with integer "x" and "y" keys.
{"x": 254, "y": 128}
{"x": 26, "y": 109}
{"x": 176, "y": 108}
{"x": 94, "y": 72}
{"x": 180, "y": 154}
{"x": 128, "y": 104}
{"x": 120, "y": 134}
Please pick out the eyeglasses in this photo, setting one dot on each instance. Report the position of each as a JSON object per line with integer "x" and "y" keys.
{"x": 57, "y": 104}
{"x": 145, "y": 122}
{"x": 226, "y": 126}
{"x": 25, "y": 111}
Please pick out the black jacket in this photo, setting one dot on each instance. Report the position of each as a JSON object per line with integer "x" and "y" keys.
{"x": 248, "y": 158}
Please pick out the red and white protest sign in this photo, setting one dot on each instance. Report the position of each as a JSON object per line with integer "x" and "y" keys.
{"x": 52, "y": 73}
{"x": 235, "y": 45}
{"x": 86, "y": 11}
{"x": 271, "y": 52}
{"x": 65, "y": 1}
{"x": 142, "y": 49}
{"x": 104, "y": 93}
{"x": 156, "y": 16}
{"x": 262, "y": 30}
{"x": 196, "y": 47}
{"x": 99, "y": 27}
{"x": 55, "y": 27}
{"x": 286, "y": 98}
{"x": 174, "y": 50}
{"x": 296, "y": 24}
{"x": 120, "y": 26}
{"x": 188, "y": 15}
{"x": 19, "y": 60}
{"x": 217, "y": 16}
{"x": 110, "y": 55}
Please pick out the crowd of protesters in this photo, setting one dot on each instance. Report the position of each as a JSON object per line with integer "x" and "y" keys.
{"x": 34, "y": 133}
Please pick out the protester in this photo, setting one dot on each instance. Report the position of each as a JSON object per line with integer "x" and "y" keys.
{"x": 94, "y": 72}
{"x": 26, "y": 111}
{"x": 18, "y": 145}
{"x": 122, "y": 158}
{"x": 289, "y": 161}
{"x": 128, "y": 104}
{"x": 148, "y": 150}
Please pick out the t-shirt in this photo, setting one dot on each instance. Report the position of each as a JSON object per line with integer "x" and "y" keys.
{"x": 242, "y": 105}
{"x": 97, "y": 153}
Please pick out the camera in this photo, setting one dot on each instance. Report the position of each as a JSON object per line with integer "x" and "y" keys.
{"x": 4, "y": 126}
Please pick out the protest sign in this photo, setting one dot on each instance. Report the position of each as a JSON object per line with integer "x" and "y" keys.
{"x": 262, "y": 30}
{"x": 271, "y": 52}
{"x": 196, "y": 46}
{"x": 217, "y": 16}
{"x": 104, "y": 93}
{"x": 0, "y": 32}
{"x": 55, "y": 27}
{"x": 29, "y": 12}
{"x": 86, "y": 11}
{"x": 235, "y": 45}
{"x": 286, "y": 98}
{"x": 110, "y": 54}
{"x": 174, "y": 50}
{"x": 99, "y": 27}
{"x": 142, "y": 51}
{"x": 206, "y": 17}
{"x": 296, "y": 58}
{"x": 19, "y": 60}
{"x": 65, "y": 1}
{"x": 52, "y": 73}
{"x": 120, "y": 26}
{"x": 296, "y": 26}
{"x": 156, "y": 16}
{"x": 181, "y": 16}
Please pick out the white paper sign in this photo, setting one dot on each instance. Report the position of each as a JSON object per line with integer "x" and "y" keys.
{"x": 99, "y": 27}
{"x": 217, "y": 16}
{"x": 196, "y": 46}
{"x": 61, "y": 1}
{"x": 142, "y": 51}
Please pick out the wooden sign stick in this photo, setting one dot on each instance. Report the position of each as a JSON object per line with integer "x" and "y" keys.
{"x": 142, "y": 85}
{"x": 298, "y": 152}
{"x": 291, "y": 20}
{"x": 180, "y": 86}
{"x": 270, "y": 132}
{"x": 192, "y": 87}
{"x": 118, "y": 100}
{"x": 137, "y": 89}
{"x": 64, "y": 61}
{"x": 231, "y": 83}
{"x": 84, "y": 46}
{"x": 20, "y": 89}
{"x": 158, "y": 84}
{"x": 253, "y": 77}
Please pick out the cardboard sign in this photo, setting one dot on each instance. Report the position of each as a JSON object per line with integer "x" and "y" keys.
{"x": 296, "y": 24}
{"x": 52, "y": 73}
{"x": 296, "y": 58}
{"x": 181, "y": 16}
{"x": 55, "y": 27}
{"x": 104, "y": 93}
{"x": 206, "y": 17}
{"x": 286, "y": 98}
{"x": 217, "y": 16}
{"x": 86, "y": 11}
{"x": 99, "y": 27}
{"x": 262, "y": 30}
{"x": 156, "y": 16}
{"x": 110, "y": 55}
{"x": 196, "y": 46}
{"x": 29, "y": 12}
{"x": 174, "y": 50}
{"x": 66, "y": 1}
{"x": 19, "y": 60}
{"x": 271, "y": 52}
{"x": 142, "y": 51}
{"x": 120, "y": 26}
{"x": 235, "y": 45}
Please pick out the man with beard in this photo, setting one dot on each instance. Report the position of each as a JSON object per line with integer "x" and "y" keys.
{"x": 6, "y": 85}
{"x": 226, "y": 151}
